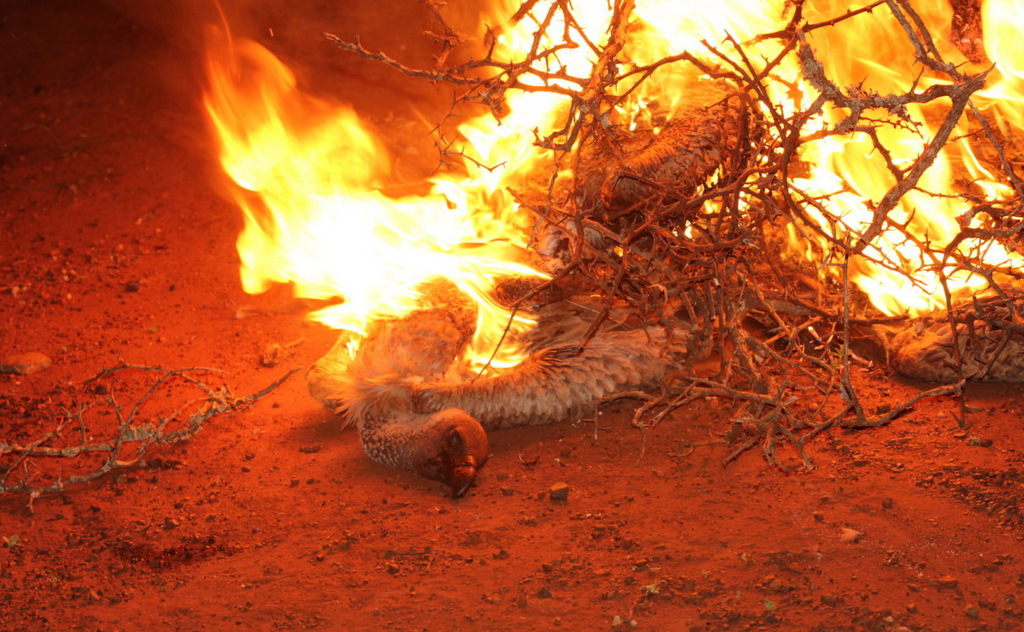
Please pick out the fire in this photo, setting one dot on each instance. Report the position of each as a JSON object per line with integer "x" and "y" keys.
{"x": 308, "y": 176}
{"x": 309, "y": 173}
{"x": 847, "y": 175}
{"x": 897, "y": 274}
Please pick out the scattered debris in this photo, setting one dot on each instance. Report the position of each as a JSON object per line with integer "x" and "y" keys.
{"x": 273, "y": 353}
{"x": 59, "y": 459}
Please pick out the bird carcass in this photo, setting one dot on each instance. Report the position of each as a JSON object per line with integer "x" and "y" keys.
{"x": 417, "y": 406}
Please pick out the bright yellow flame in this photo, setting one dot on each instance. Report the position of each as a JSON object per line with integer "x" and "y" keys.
{"x": 1001, "y": 20}
{"x": 847, "y": 176}
{"x": 502, "y": 153}
{"x": 896, "y": 274}
{"x": 308, "y": 174}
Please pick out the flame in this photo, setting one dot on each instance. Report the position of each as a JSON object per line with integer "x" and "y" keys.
{"x": 308, "y": 172}
{"x": 848, "y": 177}
{"x": 308, "y": 175}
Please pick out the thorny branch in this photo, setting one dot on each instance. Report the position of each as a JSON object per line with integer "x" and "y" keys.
{"x": 713, "y": 262}
{"x": 89, "y": 439}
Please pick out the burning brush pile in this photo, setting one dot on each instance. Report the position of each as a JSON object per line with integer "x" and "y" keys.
{"x": 655, "y": 200}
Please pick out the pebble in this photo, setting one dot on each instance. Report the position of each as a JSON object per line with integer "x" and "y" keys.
{"x": 947, "y": 581}
{"x": 271, "y": 355}
{"x": 846, "y": 534}
{"x": 559, "y": 492}
{"x": 25, "y": 363}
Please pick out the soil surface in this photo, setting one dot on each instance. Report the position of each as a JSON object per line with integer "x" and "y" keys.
{"x": 115, "y": 246}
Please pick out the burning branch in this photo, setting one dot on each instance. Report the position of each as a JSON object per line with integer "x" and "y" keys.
{"x": 689, "y": 216}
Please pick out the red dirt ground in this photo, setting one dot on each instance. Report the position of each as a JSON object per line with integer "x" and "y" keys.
{"x": 114, "y": 245}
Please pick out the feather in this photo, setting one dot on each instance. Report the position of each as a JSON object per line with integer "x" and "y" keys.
{"x": 400, "y": 378}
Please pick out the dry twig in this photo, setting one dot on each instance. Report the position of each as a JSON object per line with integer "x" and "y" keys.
{"x": 89, "y": 439}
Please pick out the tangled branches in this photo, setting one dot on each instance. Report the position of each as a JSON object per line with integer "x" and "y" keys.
{"x": 819, "y": 177}
{"x": 94, "y": 432}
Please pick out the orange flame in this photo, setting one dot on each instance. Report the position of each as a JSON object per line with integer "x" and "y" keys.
{"x": 847, "y": 175}
{"x": 308, "y": 175}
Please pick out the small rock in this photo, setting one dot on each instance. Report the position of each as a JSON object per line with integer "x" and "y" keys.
{"x": 887, "y": 503}
{"x": 559, "y": 492}
{"x": 912, "y": 608}
{"x": 972, "y": 611}
{"x": 271, "y": 355}
{"x": 25, "y": 363}
{"x": 132, "y": 286}
{"x": 846, "y": 534}
{"x": 544, "y": 593}
{"x": 947, "y": 581}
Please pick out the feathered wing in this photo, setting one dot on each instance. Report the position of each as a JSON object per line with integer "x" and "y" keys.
{"x": 394, "y": 355}
{"x": 927, "y": 350}
{"x": 557, "y": 383}
{"x": 394, "y": 388}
